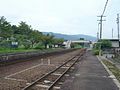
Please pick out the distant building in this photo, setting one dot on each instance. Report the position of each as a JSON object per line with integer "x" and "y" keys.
{"x": 114, "y": 50}
{"x": 84, "y": 43}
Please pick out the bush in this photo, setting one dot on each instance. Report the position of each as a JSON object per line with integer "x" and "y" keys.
{"x": 26, "y": 44}
{"x": 96, "y": 52}
{"x": 5, "y": 44}
{"x": 39, "y": 46}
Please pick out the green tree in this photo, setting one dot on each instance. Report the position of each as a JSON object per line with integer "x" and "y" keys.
{"x": 21, "y": 39}
{"x": 24, "y": 35}
{"x": 15, "y": 29}
{"x": 47, "y": 40}
{"x": 105, "y": 44}
{"x": 24, "y": 28}
{"x": 57, "y": 41}
{"x": 23, "y": 31}
{"x": 35, "y": 37}
{"x": 5, "y": 28}
{"x": 82, "y": 39}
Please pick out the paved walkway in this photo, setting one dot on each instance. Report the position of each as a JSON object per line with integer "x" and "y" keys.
{"x": 90, "y": 75}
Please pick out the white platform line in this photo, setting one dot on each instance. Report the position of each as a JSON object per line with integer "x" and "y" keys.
{"x": 15, "y": 79}
{"x": 23, "y": 71}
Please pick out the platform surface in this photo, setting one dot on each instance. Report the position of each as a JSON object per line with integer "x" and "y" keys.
{"x": 90, "y": 75}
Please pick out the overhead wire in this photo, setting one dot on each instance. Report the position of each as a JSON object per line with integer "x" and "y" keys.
{"x": 105, "y": 7}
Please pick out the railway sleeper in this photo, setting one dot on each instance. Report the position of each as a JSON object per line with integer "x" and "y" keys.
{"x": 58, "y": 74}
{"x": 47, "y": 86}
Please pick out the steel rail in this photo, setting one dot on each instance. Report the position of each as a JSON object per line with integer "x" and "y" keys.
{"x": 63, "y": 74}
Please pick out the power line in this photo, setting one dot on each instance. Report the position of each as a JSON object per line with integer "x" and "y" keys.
{"x": 105, "y": 7}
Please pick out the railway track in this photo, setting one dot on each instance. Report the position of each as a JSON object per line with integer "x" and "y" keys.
{"x": 49, "y": 80}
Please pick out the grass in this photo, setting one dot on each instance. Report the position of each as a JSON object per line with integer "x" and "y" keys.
{"x": 95, "y": 52}
{"x": 113, "y": 69}
{"x": 7, "y": 50}
{"x": 117, "y": 59}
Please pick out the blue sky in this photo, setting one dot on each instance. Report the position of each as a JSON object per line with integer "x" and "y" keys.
{"x": 63, "y": 16}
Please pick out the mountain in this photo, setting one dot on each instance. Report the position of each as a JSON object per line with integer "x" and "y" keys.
{"x": 71, "y": 37}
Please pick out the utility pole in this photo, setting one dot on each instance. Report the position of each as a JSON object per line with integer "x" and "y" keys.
{"x": 98, "y": 32}
{"x": 97, "y": 35}
{"x": 118, "y": 26}
{"x": 101, "y": 20}
{"x": 112, "y": 33}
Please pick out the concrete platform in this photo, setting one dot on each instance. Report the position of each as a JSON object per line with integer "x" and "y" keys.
{"x": 89, "y": 75}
